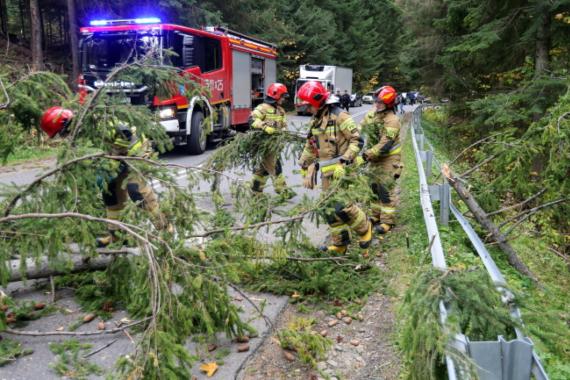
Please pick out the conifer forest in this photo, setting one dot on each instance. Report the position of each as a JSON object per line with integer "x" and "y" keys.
{"x": 272, "y": 189}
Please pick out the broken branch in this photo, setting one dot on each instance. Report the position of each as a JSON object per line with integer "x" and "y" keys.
{"x": 520, "y": 204}
{"x": 479, "y": 165}
{"x": 75, "y": 333}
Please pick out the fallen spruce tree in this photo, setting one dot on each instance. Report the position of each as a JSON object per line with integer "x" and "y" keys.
{"x": 172, "y": 283}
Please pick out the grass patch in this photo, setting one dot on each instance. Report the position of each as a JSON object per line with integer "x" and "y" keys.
{"x": 31, "y": 152}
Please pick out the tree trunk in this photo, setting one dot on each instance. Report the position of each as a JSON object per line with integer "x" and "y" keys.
{"x": 36, "y": 40}
{"x": 3, "y": 17}
{"x": 542, "y": 58}
{"x": 482, "y": 218}
{"x": 42, "y": 269}
{"x": 74, "y": 41}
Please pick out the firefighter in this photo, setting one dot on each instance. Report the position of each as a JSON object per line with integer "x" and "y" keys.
{"x": 345, "y": 100}
{"x": 383, "y": 127}
{"x": 269, "y": 117}
{"x": 124, "y": 142}
{"x": 333, "y": 142}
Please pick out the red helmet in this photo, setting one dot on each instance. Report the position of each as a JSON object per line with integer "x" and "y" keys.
{"x": 277, "y": 91}
{"x": 55, "y": 119}
{"x": 387, "y": 95}
{"x": 313, "y": 93}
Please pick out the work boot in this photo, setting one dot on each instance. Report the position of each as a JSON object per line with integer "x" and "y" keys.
{"x": 366, "y": 239}
{"x": 104, "y": 241}
{"x": 382, "y": 228}
{"x": 335, "y": 249}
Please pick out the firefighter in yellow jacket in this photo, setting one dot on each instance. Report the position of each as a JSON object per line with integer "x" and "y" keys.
{"x": 382, "y": 126}
{"x": 269, "y": 117}
{"x": 333, "y": 142}
{"x": 123, "y": 183}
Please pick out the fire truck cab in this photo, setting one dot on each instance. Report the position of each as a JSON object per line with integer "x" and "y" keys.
{"x": 237, "y": 69}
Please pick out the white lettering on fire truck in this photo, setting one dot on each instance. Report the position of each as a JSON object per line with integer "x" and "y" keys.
{"x": 217, "y": 85}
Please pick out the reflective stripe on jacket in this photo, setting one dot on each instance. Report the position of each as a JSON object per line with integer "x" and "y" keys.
{"x": 332, "y": 133}
{"x": 268, "y": 115}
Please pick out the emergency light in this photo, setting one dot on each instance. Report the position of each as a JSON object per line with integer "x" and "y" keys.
{"x": 144, "y": 20}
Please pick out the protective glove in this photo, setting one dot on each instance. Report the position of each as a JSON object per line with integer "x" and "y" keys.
{"x": 339, "y": 171}
{"x": 270, "y": 130}
{"x": 386, "y": 147}
{"x": 359, "y": 161}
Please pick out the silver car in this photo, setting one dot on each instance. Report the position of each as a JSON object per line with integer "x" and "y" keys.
{"x": 368, "y": 98}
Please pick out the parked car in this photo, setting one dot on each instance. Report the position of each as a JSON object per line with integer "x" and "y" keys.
{"x": 368, "y": 98}
{"x": 356, "y": 100}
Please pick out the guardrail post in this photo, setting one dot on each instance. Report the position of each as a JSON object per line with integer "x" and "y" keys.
{"x": 420, "y": 138}
{"x": 428, "y": 162}
{"x": 444, "y": 198}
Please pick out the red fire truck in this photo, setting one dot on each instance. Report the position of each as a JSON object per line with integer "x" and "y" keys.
{"x": 236, "y": 68}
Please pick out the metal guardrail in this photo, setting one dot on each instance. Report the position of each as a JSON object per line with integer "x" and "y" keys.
{"x": 494, "y": 360}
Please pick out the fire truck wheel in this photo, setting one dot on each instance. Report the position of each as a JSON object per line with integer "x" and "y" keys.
{"x": 196, "y": 140}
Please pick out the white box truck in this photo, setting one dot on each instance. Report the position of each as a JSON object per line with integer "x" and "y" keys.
{"x": 334, "y": 78}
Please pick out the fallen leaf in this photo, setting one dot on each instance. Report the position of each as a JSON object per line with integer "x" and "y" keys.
{"x": 242, "y": 339}
{"x": 60, "y": 328}
{"x": 333, "y": 322}
{"x": 10, "y": 319}
{"x": 289, "y": 356}
{"x": 209, "y": 368}
{"x": 202, "y": 255}
{"x": 39, "y": 306}
{"x": 212, "y": 347}
{"x": 337, "y": 303}
{"x": 243, "y": 347}
{"x": 355, "y": 342}
{"x": 295, "y": 295}
{"x": 107, "y": 306}
{"x": 238, "y": 299}
{"x": 339, "y": 339}
{"x": 101, "y": 326}
{"x": 88, "y": 317}
{"x": 124, "y": 321}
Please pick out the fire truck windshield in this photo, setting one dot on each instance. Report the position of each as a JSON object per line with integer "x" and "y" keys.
{"x": 104, "y": 51}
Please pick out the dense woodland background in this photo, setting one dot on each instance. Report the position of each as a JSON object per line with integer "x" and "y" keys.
{"x": 503, "y": 64}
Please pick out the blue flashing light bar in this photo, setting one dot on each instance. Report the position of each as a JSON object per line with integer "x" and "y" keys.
{"x": 98, "y": 22}
{"x": 147, "y": 20}
{"x": 143, "y": 20}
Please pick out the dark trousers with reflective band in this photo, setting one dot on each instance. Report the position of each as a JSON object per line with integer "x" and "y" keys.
{"x": 385, "y": 171}
{"x": 270, "y": 166}
{"x": 343, "y": 217}
{"x": 131, "y": 186}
